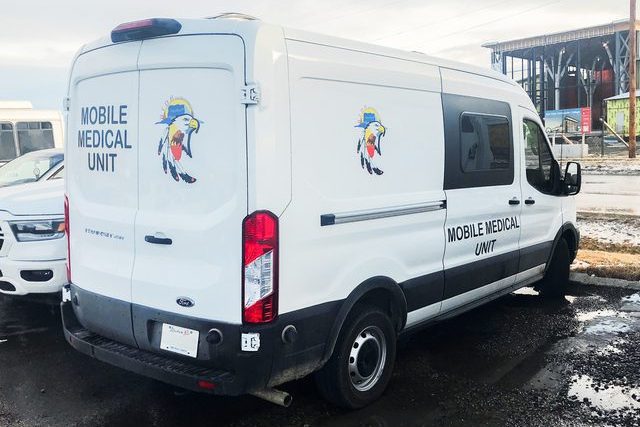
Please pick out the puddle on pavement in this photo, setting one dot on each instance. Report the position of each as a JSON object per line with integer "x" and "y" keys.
{"x": 526, "y": 291}
{"x": 601, "y": 337}
{"x": 611, "y": 398}
{"x": 585, "y": 316}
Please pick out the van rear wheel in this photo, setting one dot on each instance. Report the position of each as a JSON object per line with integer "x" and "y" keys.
{"x": 360, "y": 367}
{"x": 556, "y": 279}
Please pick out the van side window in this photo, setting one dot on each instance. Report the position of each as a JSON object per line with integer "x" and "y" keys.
{"x": 538, "y": 157}
{"x": 485, "y": 142}
{"x": 33, "y": 136}
{"x": 478, "y": 142}
{"x": 7, "y": 143}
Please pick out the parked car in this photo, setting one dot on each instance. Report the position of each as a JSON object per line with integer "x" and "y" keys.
{"x": 33, "y": 166}
{"x": 264, "y": 203}
{"x": 32, "y": 244}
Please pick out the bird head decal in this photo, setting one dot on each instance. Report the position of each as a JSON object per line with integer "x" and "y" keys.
{"x": 180, "y": 123}
{"x": 370, "y": 142}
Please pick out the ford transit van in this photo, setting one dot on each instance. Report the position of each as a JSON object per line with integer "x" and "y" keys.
{"x": 248, "y": 204}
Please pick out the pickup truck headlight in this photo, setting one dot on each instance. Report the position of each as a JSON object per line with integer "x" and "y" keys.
{"x": 33, "y": 231}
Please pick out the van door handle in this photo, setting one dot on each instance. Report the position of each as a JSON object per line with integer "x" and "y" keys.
{"x": 158, "y": 240}
{"x": 529, "y": 201}
{"x": 514, "y": 201}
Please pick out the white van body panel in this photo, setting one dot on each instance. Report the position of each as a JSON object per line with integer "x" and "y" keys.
{"x": 330, "y": 87}
{"x": 269, "y": 122}
{"x": 102, "y": 238}
{"x": 202, "y": 218}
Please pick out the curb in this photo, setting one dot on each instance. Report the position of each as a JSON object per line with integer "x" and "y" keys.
{"x": 585, "y": 279}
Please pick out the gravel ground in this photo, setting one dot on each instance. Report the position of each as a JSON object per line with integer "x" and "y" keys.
{"x": 610, "y": 229}
{"x": 610, "y": 166}
{"x": 522, "y": 360}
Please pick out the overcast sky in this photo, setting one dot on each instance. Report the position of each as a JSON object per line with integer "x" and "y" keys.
{"x": 39, "y": 37}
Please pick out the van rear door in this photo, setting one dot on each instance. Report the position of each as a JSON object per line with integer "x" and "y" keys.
{"x": 192, "y": 183}
{"x": 102, "y": 158}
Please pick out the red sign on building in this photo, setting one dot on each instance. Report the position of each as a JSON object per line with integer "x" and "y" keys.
{"x": 585, "y": 119}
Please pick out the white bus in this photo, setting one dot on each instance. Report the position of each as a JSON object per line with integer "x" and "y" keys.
{"x": 24, "y": 129}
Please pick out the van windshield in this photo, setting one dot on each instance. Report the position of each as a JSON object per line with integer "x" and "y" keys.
{"x": 28, "y": 168}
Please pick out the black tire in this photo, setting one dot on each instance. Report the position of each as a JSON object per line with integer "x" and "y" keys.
{"x": 556, "y": 279}
{"x": 364, "y": 334}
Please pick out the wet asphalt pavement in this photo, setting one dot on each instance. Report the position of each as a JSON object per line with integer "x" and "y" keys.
{"x": 522, "y": 360}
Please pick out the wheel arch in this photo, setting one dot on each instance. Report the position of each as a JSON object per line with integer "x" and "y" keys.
{"x": 570, "y": 233}
{"x": 381, "y": 291}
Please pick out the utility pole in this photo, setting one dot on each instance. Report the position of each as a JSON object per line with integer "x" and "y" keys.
{"x": 632, "y": 80}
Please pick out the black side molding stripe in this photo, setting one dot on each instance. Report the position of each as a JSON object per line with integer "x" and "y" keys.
{"x": 365, "y": 215}
{"x": 435, "y": 287}
{"x": 423, "y": 291}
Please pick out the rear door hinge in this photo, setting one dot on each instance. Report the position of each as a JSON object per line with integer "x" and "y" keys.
{"x": 66, "y": 103}
{"x": 250, "y": 94}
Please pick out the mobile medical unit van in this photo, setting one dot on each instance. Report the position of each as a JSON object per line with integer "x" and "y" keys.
{"x": 248, "y": 204}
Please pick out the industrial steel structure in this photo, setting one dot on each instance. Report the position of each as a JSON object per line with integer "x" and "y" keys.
{"x": 571, "y": 69}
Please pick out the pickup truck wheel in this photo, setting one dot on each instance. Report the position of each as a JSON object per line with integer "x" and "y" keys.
{"x": 556, "y": 279}
{"x": 360, "y": 367}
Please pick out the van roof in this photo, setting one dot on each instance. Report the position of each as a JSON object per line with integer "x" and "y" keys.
{"x": 248, "y": 27}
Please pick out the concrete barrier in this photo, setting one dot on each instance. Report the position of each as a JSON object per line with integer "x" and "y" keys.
{"x": 570, "y": 151}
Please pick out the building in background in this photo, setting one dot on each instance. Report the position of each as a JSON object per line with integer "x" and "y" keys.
{"x": 572, "y": 70}
{"x": 617, "y": 108}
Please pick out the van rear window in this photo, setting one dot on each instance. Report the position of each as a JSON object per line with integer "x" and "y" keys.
{"x": 33, "y": 136}
{"x": 7, "y": 142}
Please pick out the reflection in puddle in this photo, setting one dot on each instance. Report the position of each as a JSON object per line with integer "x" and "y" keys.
{"x": 635, "y": 298}
{"x": 607, "y": 326}
{"x": 585, "y": 316}
{"x": 526, "y": 291}
{"x": 612, "y": 398}
{"x": 610, "y": 349}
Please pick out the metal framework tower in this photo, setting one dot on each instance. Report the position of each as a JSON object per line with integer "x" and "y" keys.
{"x": 570, "y": 69}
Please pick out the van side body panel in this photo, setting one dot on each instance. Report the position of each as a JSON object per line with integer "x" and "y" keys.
{"x": 332, "y": 90}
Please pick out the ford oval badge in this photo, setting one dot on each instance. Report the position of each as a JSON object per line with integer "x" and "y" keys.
{"x": 185, "y": 302}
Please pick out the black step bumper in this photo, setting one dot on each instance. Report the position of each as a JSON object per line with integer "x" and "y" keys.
{"x": 93, "y": 325}
{"x": 152, "y": 365}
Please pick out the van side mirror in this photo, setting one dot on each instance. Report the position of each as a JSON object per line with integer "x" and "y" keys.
{"x": 572, "y": 179}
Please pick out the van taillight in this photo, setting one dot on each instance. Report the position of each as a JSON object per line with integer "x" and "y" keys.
{"x": 260, "y": 267}
{"x": 68, "y": 232}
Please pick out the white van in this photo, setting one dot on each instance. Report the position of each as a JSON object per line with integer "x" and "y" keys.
{"x": 248, "y": 204}
{"x": 24, "y": 129}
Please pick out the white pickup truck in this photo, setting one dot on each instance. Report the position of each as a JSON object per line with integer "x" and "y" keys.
{"x": 32, "y": 247}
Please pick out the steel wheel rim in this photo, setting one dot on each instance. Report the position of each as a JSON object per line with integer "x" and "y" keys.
{"x": 367, "y": 358}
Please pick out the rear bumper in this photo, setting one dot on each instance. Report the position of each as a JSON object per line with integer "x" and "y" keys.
{"x": 231, "y": 370}
{"x": 141, "y": 362}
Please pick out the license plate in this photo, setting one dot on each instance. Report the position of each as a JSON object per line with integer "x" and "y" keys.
{"x": 179, "y": 340}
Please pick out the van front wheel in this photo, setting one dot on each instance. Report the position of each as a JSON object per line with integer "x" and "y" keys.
{"x": 556, "y": 279}
{"x": 360, "y": 367}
